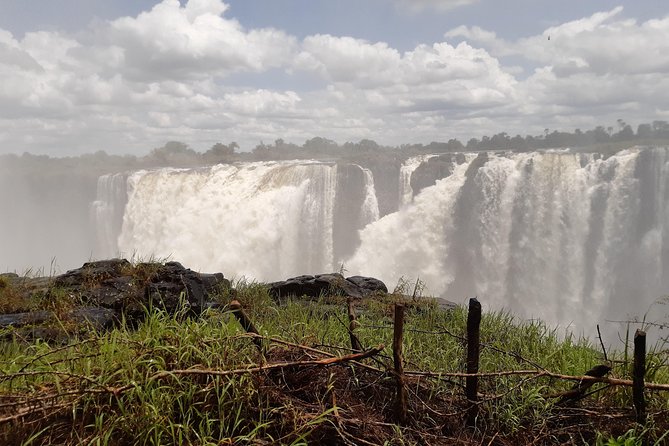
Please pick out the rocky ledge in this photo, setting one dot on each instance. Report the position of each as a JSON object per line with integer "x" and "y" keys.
{"x": 99, "y": 294}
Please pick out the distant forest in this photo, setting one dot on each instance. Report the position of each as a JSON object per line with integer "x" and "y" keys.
{"x": 179, "y": 154}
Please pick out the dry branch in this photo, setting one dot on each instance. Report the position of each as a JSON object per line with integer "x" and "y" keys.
{"x": 279, "y": 365}
{"x": 539, "y": 374}
{"x": 29, "y": 407}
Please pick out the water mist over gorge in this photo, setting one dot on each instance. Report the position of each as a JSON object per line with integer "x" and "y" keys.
{"x": 571, "y": 238}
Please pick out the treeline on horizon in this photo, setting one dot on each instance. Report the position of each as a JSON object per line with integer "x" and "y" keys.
{"x": 180, "y": 154}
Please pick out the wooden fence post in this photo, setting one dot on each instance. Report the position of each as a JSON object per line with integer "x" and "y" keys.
{"x": 401, "y": 401}
{"x": 355, "y": 342}
{"x": 473, "y": 345}
{"x": 638, "y": 375}
{"x": 245, "y": 322}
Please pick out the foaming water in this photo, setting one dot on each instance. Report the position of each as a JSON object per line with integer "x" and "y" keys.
{"x": 570, "y": 238}
{"x": 370, "y": 205}
{"x": 262, "y": 220}
{"x": 107, "y": 212}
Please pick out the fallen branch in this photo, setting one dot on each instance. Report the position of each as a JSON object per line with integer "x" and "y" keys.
{"x": 538, "y": 373}
{"x": 541, "y": 373}
{"x": 116, "y": 391}
{"x": 281, "y": 365}
{"x": 315, "y": 350}
{"x": 33, "y": 409}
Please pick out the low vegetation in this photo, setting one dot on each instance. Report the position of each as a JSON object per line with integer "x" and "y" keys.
{"x": 202, "y": 381}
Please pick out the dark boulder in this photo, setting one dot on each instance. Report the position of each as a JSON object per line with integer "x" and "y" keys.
{"x": 173, "y": 284}
{"x": 115, "y": 284}
{"x": 99, "y": 293}
{"x": 114, "y": 293}
{"x": 95, "y": 317}
{"x": 326, "y": 284}
{"x": 368, "y": 285}
{"x": 434, "y": 169}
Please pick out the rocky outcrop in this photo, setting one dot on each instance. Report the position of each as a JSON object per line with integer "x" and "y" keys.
{"x": 119, "y": 286}
{"x": 327, "y": 284}
{"x": 348, "y": 218}
{"x": 434, "y": 169}
{"x": 99, "y": 293}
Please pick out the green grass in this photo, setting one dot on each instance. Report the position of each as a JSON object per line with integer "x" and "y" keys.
{"x": 102, "y": 389}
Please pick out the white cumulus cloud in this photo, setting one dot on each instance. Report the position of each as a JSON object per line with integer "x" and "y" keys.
{"x": 188, "y": 71}
{"x": 194, "y": 41}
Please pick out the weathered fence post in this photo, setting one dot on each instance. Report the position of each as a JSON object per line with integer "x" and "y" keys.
{"x": 245, "y": 322}
{"x": 401, "y": 402}
{"x": 639, "y": 373}
{"x": 473, "y": 344}
{"x": 355, "y": 342}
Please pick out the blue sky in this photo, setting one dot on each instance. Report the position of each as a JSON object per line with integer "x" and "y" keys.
{"x": 126, "y": 76}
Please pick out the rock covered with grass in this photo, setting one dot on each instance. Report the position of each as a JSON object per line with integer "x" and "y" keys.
{"x": 100, "y": 293}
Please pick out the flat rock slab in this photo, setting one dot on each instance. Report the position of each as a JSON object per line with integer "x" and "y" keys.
{"x": 48, "y": 326}
{"x": 22, "y": 319}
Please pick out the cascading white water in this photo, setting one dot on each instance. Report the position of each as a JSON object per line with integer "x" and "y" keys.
{"x": 261, "y": 220}
{"x": 370, "y": 206}
{"x": 107, "y": 213}
{"x": 569, "y": 238}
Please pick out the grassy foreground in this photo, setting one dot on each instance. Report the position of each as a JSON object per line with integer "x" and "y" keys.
{"x": 136, "y": 385}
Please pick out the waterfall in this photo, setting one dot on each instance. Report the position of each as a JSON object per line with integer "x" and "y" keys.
{"x": 570, "y": 238}
{"x": 370, "y": 205}
{"x": 107, "y": 213}
{"x": 262, "y": 220}
{"x": 567, "y": 237}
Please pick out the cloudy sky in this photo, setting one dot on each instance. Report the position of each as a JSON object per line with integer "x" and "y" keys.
{"x": 125, "y": 76}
